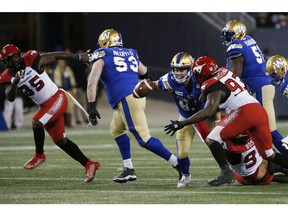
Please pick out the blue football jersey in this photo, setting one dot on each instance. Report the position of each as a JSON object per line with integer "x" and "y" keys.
{"x": 120, "y": 72}
{"x": 254, "y": 67}
{"x": 180, "y": 93}
{"x": 284, "y": 84}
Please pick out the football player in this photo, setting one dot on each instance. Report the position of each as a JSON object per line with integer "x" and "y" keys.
{"x": 277, "y": 67}
{"x": 223, "y": 90}
{"x": 119, "y": 69}
{"x": 246, "y": 60}
{"x": 248, "y": 165}
{"x": 186, "y": 91}
{"x": 26, "y": 74}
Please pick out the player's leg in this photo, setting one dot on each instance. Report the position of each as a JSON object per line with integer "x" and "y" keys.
{"x": 266, "y": 97}
{"x": 184, "y": 139}
{"x": 117, "y": 129}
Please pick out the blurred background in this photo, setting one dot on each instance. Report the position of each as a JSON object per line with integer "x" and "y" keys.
{"x": 156, "y": 36}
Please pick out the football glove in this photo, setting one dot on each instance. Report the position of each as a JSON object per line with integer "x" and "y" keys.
{"x": 173, "y": 127}
{"x": 193, "y": 105}
{"x": 93, "y": 113}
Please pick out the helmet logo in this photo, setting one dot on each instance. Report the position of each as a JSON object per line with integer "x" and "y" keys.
{"x": 241, "y": 28}
{"x": 106, "y": 35}
{"x": 198, "y": 68}
{"x": 278, "y": 63}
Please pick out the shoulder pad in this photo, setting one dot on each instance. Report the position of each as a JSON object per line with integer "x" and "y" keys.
{"x": 5, "y": 77}
{"x": 207, "y": 84}
{"x": 29, "y": 57}
{"x": 234, "y": 46}
{"x": 97, "y": 55}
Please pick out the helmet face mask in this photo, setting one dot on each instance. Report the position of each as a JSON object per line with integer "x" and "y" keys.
{"x": 110, "y": 38}
{"x": 204, "y": 68}
{"x": 181, "y": 65}
{"x": 11, "y": 57}
{"x": 277, "y": 67}
{"x": 233, "y": 30}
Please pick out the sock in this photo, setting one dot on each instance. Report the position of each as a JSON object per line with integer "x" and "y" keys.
{"x": 276, "y": 139}
{"x": 73, "y": 151}
{"x": 155, "y": 145}
{"x": 218, "y": 154}
{"x": 184, "y": 165}
{"x": 173, "y": 160}
{"x": 123, "y": 143}
{"x": 128, "y": 163}
{"x": 39, "y": 137}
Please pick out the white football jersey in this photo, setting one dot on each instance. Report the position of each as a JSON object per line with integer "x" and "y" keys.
{"x": 39, "y": 87}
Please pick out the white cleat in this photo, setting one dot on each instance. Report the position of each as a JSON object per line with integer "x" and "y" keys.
{"x": 184, "y": 181}
{"x": 285, "y": 143}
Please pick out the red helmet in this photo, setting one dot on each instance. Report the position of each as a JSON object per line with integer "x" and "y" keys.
{"x": 9, "y": 50}
{"x": 204, "y": 68}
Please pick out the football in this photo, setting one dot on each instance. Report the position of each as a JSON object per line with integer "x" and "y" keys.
{"x": 143, "y": 88}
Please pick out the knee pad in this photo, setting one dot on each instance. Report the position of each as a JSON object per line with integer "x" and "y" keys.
{"x": 61, "y": 143}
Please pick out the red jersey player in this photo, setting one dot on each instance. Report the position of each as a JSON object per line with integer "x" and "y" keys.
{"x": 223, "y": 90}
{"x": 26, "y": 74}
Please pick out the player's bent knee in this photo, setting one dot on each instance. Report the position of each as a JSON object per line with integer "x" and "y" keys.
{"x": 36, "y": 123}
{"x": 61, "y": 143}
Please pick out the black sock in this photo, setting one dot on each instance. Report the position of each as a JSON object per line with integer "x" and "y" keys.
{"x": 39, "y": 137}
{"x": 218, "y": 154}
{"x": 73, "y": 150}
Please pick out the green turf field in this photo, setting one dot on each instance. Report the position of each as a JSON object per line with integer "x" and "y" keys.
{"x": 60, "y": 179}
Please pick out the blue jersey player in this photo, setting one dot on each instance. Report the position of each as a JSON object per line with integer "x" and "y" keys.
{"x": 186, "y": 91}
{"x": 119, "y": 69}
{"x": 245, "y": 59}
{"x": 277, "y": 67}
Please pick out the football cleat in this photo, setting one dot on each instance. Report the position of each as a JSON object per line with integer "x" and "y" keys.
{"x": 184, "y": 181}
{"x": 126, "y": 175}
{"x": 35, "y": 161}
{"x": 91, "y": 168}
{"x": 285, "y": 143}
{"x": 226, "y": 177}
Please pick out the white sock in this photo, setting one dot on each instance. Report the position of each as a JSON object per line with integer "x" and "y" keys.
{"x": 128, "y": 163}
{"x": 173, "y": 160}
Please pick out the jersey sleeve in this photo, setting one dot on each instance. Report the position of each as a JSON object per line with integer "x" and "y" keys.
{"x": 234, "y": 50}
{"x": 97, "y": 54}
{"x": 163, "y": 83}
{"x": 212, "y": 85}
{"x": 5, "y": 77}
{"x": 31, "y": 59}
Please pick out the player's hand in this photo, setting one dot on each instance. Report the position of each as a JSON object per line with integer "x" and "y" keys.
{"x": 173, "y": 127}
{"x": 85, "y": 56}
{"x": 93, "y": 114}
{"x": 193, "y": 105}
{"x": 19, "y": 75}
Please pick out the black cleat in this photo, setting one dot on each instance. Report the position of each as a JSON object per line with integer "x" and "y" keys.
{"x": 126, "y": 175}
{"x": 226, "y": 177}
{"x": 280, "y": 178}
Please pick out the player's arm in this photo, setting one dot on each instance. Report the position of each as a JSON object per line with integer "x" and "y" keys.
{"x": 11, "y": 89}
{"x": 144, "y": 72}
{"x": 48, "y": 58}
{"x": 236, "y": 65}
{"x": 93, "y": 80}
{"x": 211, "y": 107}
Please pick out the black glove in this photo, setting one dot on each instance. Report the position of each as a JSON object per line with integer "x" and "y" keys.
{"x": 93, "y": 113}
{"x": 173, "y": 127}
{"x": 193, "y": 105}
